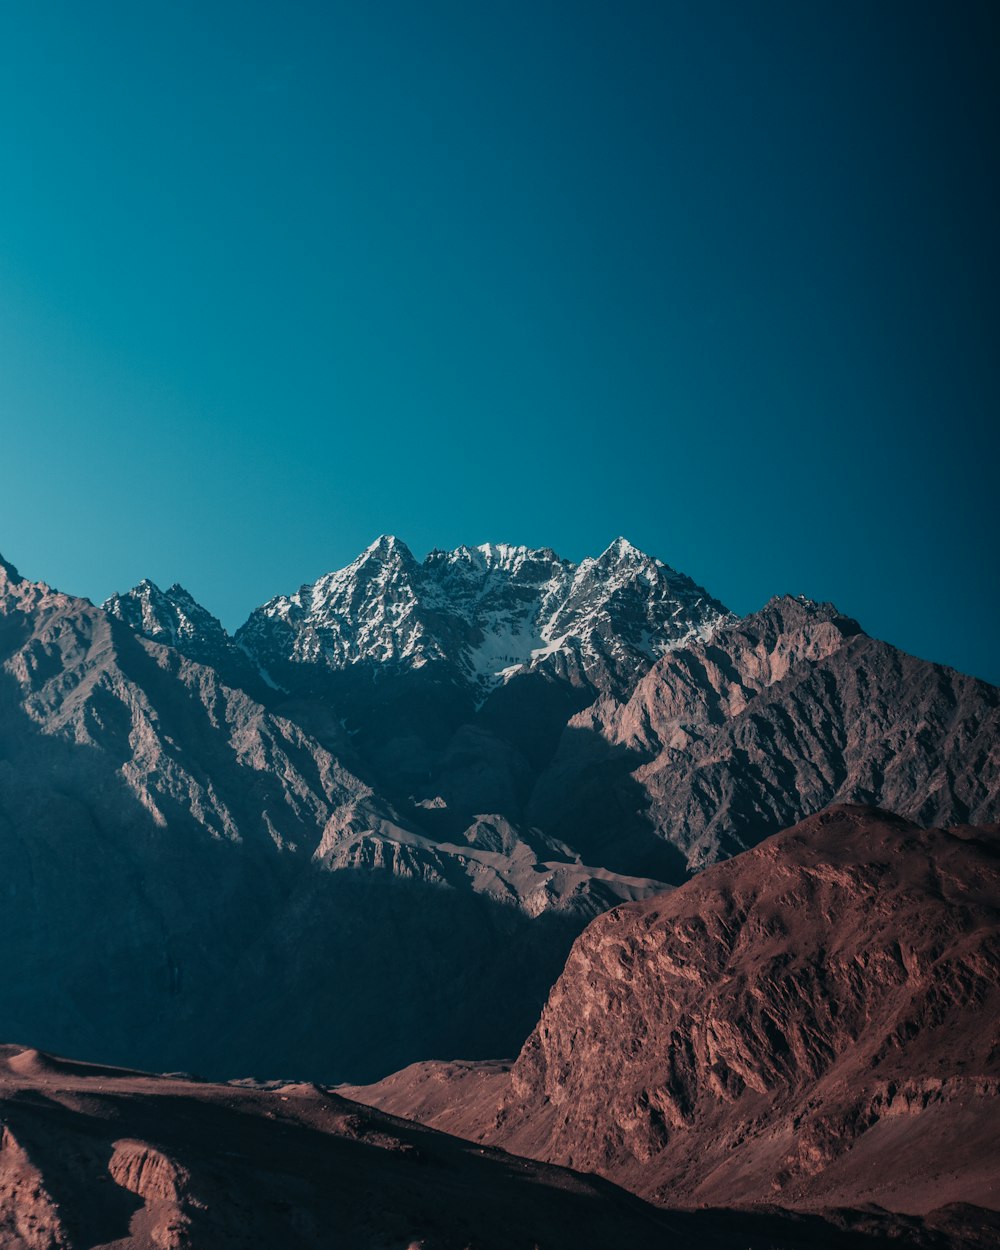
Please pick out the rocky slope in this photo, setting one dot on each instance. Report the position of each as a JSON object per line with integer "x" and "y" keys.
{"x": 815, "y": 1023}
{"x": 103, "y": 1157}
{"x": 194, "y": 880}
{"x": 775, "y": 716}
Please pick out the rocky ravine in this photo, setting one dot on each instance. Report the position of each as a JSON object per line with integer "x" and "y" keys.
{"x": 814, "y": 1023}
{"x": 97, "y": 1157}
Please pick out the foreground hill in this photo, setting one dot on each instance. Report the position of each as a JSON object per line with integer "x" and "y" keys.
{"x": 94, "y": 1157}
{"x": 815, "y": 1023}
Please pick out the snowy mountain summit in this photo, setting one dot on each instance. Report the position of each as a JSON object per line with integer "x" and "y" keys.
{"x": 171, "y": 616}
{"x": 487, "y": 613}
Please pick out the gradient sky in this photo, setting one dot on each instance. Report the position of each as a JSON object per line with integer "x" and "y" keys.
{"x": 722, "y": 277}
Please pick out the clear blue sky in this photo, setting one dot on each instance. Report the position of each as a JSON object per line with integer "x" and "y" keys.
{"x": 723, "y": 277}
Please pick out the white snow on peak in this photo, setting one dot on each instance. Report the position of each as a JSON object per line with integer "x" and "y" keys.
{"x": 386, "y": 545}
{"x": 491, "y": 611}
{"x": 172, "y": 616}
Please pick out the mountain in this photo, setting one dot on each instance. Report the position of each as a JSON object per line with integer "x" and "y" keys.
{"x": 379, "y": 846}
{"x": 614, "y": 706}
{"x": 175, "y": 618}
{"x": 727, "y": 740}
{"x": 97, "y": 1156}
{"x": 483, "y": 614}
{"x": 454, "y": 677}
{"x": 172, "y": 617}
{"x": 813, "y": 1023}
{"x": 192, "y": 880}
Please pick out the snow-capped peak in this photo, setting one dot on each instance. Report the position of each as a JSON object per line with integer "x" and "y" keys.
{"x": 387, "y": 545}
{"x": 622, "y": 549}
{"x": 487, "y": 612}
{"x": 172, "y": 616}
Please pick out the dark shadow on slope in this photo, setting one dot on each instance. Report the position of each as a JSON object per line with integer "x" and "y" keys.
{"x": 115, "y": 930}
{"x": 590, "y": 799}
{"x": 163, "y": 948}
{"x": 417, "y": 736}
{"x": 376, "y": 972}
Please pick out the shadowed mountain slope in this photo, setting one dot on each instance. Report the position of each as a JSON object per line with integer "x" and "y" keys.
{"x": 194, "y": 880}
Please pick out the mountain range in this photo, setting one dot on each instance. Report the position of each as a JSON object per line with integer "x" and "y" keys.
{"x": 366, "y": 828}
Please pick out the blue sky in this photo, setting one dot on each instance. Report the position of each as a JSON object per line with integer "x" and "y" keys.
{"x": 721, "y": 277}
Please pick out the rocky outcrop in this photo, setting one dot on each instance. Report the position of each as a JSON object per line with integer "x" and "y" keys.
{"x": 813, "y": 1023}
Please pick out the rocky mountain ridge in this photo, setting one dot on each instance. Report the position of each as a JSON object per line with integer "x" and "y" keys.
{"x": 484, "y": 613}
{"x": 615, "y": 706}
{"x": 777, "y": 715}
{"x": 385, "y": 836}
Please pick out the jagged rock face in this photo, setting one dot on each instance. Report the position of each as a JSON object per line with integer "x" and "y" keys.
{"x": 484, "y": 614}
{"x": 175, "y": 618}
{"x": 253, "y": 884}
{"x": 726, "y": 741}
{"x": 814, "y": 1022}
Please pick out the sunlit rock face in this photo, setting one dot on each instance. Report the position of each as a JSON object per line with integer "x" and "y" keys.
{"x": 812, "y": 1023}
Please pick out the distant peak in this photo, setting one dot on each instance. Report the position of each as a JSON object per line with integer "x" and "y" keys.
{"x": 803, "y": 602}
{"x": 10, "y": 572}
{"x": 802, "y": 608}
{"x": 622, "y": 551}
{"x": 386, "y": 546}
{"x": 143, "y": 589}
{"x": 177, "y": 591}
